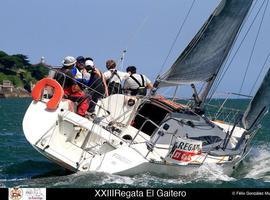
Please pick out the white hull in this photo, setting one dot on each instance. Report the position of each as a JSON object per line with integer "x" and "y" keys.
{"x": 80, "y": 144}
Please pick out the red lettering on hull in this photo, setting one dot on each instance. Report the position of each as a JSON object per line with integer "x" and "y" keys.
{"x": 183, "y": 156}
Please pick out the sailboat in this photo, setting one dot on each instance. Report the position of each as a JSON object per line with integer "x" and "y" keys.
{"x": 135, "y": 134}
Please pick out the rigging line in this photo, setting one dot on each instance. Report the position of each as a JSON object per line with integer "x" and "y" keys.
{"x": 175, "y": 39}
{"x": 130, "y": 41}
{"x": 221, "y": 76}
{"x": 262, "y": 68}
{"x": 254, "y": 45}
{"x": 133, "y": 36}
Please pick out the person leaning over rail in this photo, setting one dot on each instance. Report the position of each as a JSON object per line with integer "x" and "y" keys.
{"x": 136, "y": 84}
{"x": 114, "y": 77}
{"x": 96, "y": 82}
{"x": 72, "y": 90}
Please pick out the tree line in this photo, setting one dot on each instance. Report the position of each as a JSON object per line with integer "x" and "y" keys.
{"x": 18, "y": 69}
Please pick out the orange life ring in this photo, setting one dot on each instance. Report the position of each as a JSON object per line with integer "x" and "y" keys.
{"x": 37, "y": 91}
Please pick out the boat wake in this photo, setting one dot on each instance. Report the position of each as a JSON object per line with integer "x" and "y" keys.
{"x": 257, "y": 164}
{"x": 212, "y": 173}
{"x": 255, "y": 167}
{"x": 205, "y": 174}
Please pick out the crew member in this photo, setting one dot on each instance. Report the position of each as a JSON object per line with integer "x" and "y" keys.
{"x": 136, "y": 84}
{"x": 114, "y": 77}
{"x": 72, "y": 90}
{"x": 96, "y": 82}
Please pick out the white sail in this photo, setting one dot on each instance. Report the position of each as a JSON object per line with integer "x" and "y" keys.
{"x": 203, "y": 57}
{"x": 259, "y": 104}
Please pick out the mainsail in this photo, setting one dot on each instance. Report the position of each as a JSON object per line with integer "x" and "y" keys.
{"x": 259, "y": 104}
{"x": 203, "y": 57}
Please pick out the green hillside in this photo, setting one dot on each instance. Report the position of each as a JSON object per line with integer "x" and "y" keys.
{"x": 19, "y": 70}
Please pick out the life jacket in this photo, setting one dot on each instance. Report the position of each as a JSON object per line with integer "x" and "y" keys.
{"x": 141, "y": 90}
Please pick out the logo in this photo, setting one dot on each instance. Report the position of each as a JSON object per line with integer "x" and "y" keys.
{"x": 27, "y": 193}
{"x": 35, "y": 193}
{"x": 15, "y": 194}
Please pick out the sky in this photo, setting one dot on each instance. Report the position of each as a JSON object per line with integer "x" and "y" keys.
{"x": 102, "y": 29}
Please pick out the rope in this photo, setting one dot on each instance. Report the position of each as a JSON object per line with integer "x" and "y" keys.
{"x": 133, "y": 36}
{"x": 120, "y": 62}
{"x": 253, "y": 48}
{"x": 175, "y": 39}
{"x": 222, "y": 75}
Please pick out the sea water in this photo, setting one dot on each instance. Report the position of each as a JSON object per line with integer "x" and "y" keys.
{"x": 21, "y": 165}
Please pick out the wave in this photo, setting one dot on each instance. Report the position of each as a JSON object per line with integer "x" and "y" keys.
{"x": 207, "y": 174}
{"x": 6, "y": 133}
{"x": 257, "y": 164}
{"x": 254, "y": 170}
{"x": 212, "y": 173}
{"x": 5, "y": 182}
{"x": 92, "y": 180}
{"x": 29, "y": 169}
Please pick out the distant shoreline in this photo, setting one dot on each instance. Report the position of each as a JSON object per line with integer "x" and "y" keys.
{"x": 17, "y": 93}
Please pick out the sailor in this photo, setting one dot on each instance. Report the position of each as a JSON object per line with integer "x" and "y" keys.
{"x": 79, "y": 69}
{"x": 114, "y": 77}
{"x": 96, "y": 82}
{"x": 136, "y": 84}
{"x": 72, "y": 90}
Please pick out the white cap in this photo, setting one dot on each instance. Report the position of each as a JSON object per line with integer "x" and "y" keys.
{"x": 68, "y": 61}
{"x": 89, "y": 63}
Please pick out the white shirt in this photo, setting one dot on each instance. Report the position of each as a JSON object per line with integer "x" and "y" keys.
{"x": 131, "y": 84}
{"x": 122, "y": 75}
